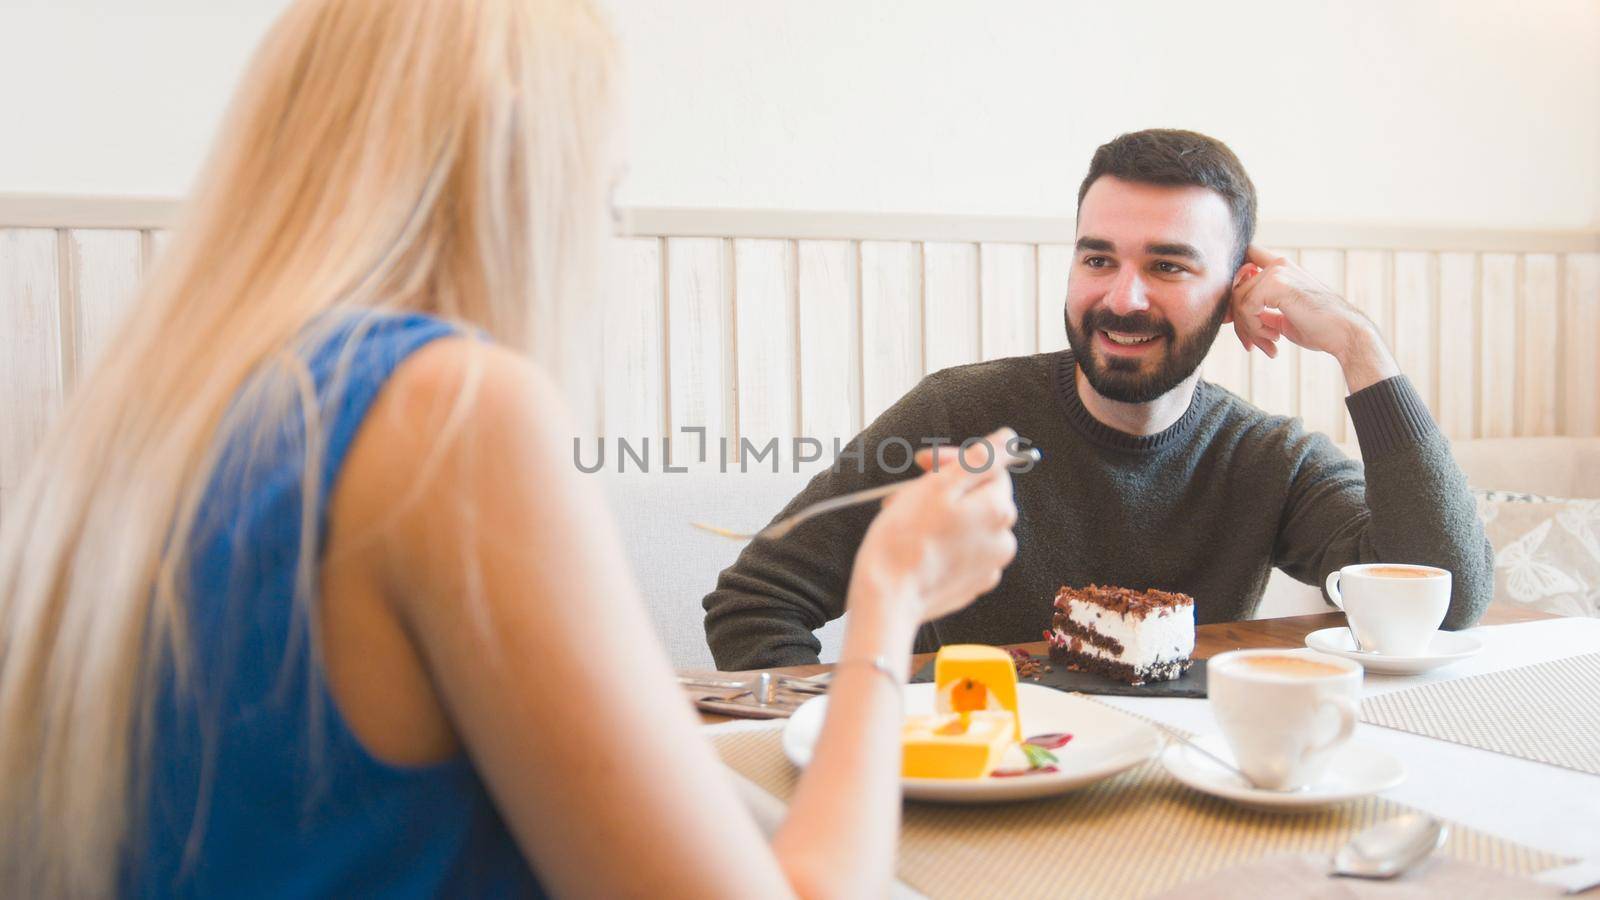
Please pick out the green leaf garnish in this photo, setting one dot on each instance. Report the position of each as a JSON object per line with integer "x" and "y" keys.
{"x": 1038, "y": 757}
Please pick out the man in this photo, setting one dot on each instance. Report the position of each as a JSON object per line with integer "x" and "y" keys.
{"x": 1151, "y": 477}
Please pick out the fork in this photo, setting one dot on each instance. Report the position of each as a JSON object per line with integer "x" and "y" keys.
{"x": 762, "y": 685}
{"x": 783, "y": 526}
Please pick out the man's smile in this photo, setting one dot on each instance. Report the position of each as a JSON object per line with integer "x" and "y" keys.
{"x": 1126, "y": 342}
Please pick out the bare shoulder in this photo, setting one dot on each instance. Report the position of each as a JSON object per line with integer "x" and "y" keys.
{"x": 465, "y": 435}
{"x": 433, "y": 515}
{"x": 468, "y": 387}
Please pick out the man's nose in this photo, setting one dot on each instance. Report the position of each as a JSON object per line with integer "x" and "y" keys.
{"x": 1127, "y": 295}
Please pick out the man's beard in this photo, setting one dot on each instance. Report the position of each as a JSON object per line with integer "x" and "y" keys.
{"x": 1125, "y": 380}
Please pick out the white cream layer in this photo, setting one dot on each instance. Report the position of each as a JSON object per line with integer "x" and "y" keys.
{"x": 1162, "y": 636}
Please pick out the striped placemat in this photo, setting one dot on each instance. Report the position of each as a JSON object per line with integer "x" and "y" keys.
{"x": 1549, "y": 712}
{"x": 1127, "y": 836}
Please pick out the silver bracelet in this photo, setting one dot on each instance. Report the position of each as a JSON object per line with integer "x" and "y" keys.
{"x": 878, "y": 663}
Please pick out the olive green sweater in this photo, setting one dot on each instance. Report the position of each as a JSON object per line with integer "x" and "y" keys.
{"x": 1207, "y": 507}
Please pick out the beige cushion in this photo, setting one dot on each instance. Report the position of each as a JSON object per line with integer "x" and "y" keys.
{"x": 1551, "y": 466}
{"x": 675, "y": 564}
{"x": 1547, "y": 552}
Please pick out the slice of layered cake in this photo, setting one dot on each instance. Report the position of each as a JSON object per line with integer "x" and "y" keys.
{"x": 1132, "y": 636}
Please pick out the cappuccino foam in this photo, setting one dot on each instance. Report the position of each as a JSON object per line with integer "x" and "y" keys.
{"x": 1288, "y": 666}
{"x": 1398, "y": 572}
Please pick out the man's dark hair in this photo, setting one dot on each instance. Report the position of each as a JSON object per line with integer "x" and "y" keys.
{"x": 1173, "y": 158}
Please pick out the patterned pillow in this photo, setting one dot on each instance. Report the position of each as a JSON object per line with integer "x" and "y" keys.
{"x": 1546, "y": 551}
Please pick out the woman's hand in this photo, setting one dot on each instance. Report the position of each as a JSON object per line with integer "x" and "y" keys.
{"x": 944, "y": 540}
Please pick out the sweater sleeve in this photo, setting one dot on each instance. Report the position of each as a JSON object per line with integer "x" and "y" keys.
{"x": 1411, "y": 505}
{"x": 768, "y": 603}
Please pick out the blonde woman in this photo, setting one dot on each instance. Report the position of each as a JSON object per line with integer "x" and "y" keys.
{"x": 304, "y": 596}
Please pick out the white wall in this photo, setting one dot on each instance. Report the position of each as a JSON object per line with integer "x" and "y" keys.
{"x": 1465, "y": 112}
{"x": 117, "y": 96}
{"x": 1452, "y": 112}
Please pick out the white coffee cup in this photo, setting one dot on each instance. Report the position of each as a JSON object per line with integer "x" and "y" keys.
{"x": 1393, "y": 608}
{"x": 1283, "y": 712}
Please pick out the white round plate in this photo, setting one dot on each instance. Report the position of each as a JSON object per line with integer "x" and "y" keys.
{"x": 1445, "y": 648}
{"x": 1104, "y": 742}
{"x": 1355, "y": 770}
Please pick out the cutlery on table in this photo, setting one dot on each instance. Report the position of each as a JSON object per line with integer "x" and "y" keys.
{"x": 1390, "y": 847}
{"x": 783, "y": 526}
{"x": 763, "y": 685}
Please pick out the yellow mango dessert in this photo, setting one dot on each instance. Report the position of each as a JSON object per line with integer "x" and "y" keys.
{"x": 972, "y": 677}
{"x": 975, "y": 717}
{"x": 954, "y": 745}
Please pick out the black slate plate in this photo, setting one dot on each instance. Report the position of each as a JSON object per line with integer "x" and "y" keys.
{"x": 1192, "y": 684}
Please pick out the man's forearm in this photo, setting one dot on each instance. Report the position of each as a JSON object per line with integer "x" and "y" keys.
{"x": 769, "y": 602}
{"x": 1365, "y": 359}
{"x": 1422, "y": 509}
{"x": 751, "y": 624}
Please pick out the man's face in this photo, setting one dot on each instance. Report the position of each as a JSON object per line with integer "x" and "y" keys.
{"x": 1149, "y": 285}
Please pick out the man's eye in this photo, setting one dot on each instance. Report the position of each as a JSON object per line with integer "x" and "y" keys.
{"x": 1096, "y": 262}
{"x": 1168, "y": 268}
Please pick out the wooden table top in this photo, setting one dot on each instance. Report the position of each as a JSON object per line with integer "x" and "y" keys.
{"x": 1209, "y": 640}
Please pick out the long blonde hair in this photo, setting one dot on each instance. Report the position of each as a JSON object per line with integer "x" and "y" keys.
{"x": 440, "y": 156}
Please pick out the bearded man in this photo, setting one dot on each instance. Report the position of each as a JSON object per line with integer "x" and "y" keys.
{"x": 1150, "y": 477}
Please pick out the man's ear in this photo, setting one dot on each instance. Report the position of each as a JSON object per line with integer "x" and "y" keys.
{"x": 1245, "y": 273}
{"x": 1240, "y": 277}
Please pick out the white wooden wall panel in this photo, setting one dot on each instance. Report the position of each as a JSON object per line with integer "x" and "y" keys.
{"x": 1322, "y": 387}
{"x": 765, "y": 314}
{"x": 1581, "y": 356}
{"x": 103, "y": 271}
{"x": 951, "y": 306}
{"x": 634, "y": 372}
{"x": 891, "y": 323}
{"x": 1415, "y": 332}
{"x": 830, "y": 341}
{"x": 1369, "y": 285}
{"x": 31, "y": 369}
{"x": 1539, "y": 356}
{"x": 1010, "y": 300}
{"x": 1458, "y": 344}
{"x": 764, "y": 336}
{"x": 1055, "y": 265}
{"x": 1497, "y": 363}
{"x": 700, "y": 346}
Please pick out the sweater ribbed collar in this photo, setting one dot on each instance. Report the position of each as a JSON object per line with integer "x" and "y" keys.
{"x": 1100, "y": 433}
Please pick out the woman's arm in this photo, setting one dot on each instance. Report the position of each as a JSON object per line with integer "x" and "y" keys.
{"x": 508, "y": 576}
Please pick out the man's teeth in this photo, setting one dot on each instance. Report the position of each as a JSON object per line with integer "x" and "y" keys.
{"x": 1128, "y": 339}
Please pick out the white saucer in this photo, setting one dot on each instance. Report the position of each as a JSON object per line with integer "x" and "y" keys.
{"x": 1355, "y": 770}
{"x": 1445, "y": 648}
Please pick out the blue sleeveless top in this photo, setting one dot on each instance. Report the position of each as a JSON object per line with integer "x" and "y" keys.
{"x": 258, "y": 787}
